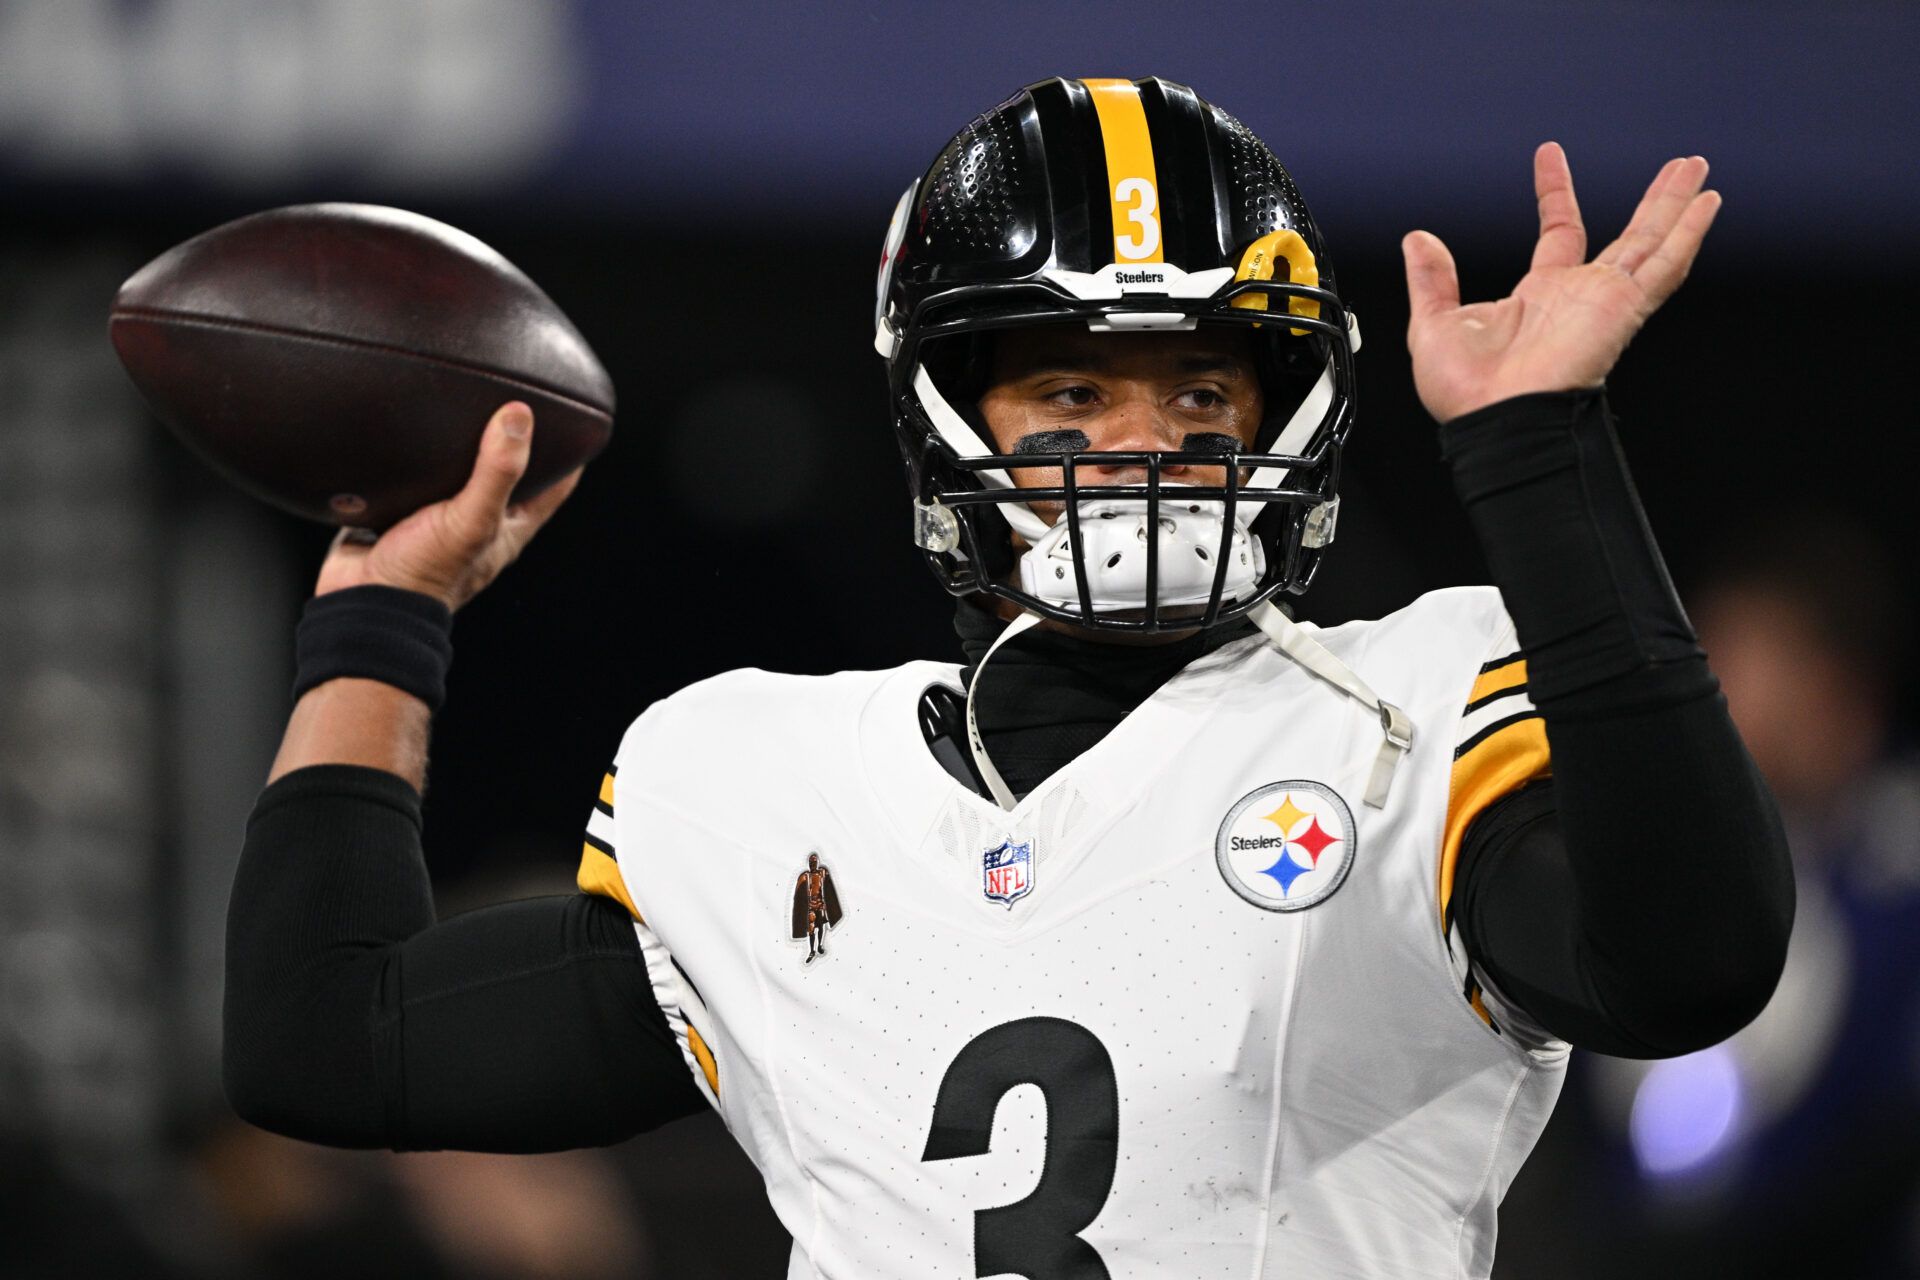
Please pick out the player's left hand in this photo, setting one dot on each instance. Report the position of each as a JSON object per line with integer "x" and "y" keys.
{"x": 1568, "y": 320}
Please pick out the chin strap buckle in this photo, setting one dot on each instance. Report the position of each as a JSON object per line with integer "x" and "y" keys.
{"x": 1396, "y": 740}
{"x": 1321, "y": 522}
{"x": 935, "y": 527}
{"x": 1398, "y": 728}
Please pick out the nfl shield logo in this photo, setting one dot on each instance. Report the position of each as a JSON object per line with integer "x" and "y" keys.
{"x": 1007, "y": 872}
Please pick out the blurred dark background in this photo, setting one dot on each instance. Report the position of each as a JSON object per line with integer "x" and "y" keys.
{"x": 704, "y": 192}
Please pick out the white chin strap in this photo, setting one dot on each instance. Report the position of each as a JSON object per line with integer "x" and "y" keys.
{"x": 1291, "y": 639}
{"x": 981, "y": 762}
{"x": 1396, "y": 729}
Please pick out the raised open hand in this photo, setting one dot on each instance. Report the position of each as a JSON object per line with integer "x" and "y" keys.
{"x": 1567, "y": 321}
{"x": 451, "y": 550}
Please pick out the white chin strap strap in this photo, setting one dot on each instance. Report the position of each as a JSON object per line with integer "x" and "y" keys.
{"x": 988, "y": 774}
{"x": 1396, "y": 729}
{"x": 1291, "y": 639}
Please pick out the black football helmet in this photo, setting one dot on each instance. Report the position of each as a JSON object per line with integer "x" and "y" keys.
{"x": 1125, "y": 206}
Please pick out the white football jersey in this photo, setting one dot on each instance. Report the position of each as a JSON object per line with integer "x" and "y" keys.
{"x": 1190, "y": 1009}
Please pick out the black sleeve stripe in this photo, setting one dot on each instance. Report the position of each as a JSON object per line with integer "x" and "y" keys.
{"x": 600, "y": 844}
{"x": 603, "y": 806}
{"x": 1507, "y": 661}
{"x": 687, "y": 978}
{"x": 1492, "y": 729}
{"x": 1478, "y": 703}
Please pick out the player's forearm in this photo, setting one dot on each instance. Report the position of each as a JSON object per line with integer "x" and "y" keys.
{"x": 1678, "y": 889}
{"x": 357, "y": 722}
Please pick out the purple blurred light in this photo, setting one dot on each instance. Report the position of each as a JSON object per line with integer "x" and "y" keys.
{"x": 1686, "y": 1112}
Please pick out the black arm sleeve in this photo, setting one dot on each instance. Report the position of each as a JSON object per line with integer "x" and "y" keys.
{"x": 1638, "y": 905}
{"x": 353, "y": 1019}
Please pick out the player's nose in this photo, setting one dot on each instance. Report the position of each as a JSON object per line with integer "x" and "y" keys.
{"x": 1134, "y": 424}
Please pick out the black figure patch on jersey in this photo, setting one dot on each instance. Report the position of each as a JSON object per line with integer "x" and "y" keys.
{"x": 816, "y": 906}
{"x": 1286, "y": 846}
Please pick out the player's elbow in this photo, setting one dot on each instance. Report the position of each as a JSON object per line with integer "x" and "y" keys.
{"x": 297, "y": 1058}
{"x": 267, "y": 1087}
{"x": 259, "y": 1091}
{"x": 1720, "y": 989}
{"x": 273, "y": 1089}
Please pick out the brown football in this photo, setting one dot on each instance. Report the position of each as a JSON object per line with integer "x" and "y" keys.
{"x": 341, "y": 360}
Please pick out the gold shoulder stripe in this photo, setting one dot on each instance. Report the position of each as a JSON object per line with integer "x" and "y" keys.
{"x": 1508, "y": 674}
{"x": 606, "y": 792}
{"x": 600, "y": 874}
{"x": 704, "y": 1056}
{"x": 1497, "y": 765}
{"x": 1132, "y": 181}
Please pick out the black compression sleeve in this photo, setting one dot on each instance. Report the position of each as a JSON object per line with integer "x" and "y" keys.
{"x": 1640, "y": 906}
{"x": 352, "y": 1018}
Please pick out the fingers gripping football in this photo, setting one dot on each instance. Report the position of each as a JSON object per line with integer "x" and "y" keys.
{"x": 451, "y": 550}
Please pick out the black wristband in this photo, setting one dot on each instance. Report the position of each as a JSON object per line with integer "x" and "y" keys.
{"x": 1549, "y": 497}
{"x": 401, "y": 638}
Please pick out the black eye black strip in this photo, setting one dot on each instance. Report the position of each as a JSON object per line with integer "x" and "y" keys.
{"x": 1068, "y": 441}
{"x": 1210, "y": 442}
{"x": 1071, "y": 441}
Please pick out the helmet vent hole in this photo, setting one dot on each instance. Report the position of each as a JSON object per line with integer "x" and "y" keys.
{"x": 1113, "y": 560}
{"x": 1201, "y": 552}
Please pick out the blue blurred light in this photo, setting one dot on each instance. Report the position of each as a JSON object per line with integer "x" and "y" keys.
{"x": 1686, "y": 1112}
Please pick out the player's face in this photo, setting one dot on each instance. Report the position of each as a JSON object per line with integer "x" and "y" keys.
{"x": 1061, "y": 388}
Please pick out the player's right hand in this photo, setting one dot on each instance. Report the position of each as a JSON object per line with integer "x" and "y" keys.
{"x": 453, "y": 549}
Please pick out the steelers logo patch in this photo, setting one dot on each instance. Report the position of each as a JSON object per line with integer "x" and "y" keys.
{"x": 1286, "y": 846}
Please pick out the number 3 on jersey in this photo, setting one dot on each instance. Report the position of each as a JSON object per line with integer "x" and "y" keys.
{"x": 1037, "y": 1237}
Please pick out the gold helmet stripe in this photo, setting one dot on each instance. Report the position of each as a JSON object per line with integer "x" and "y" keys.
{"x": 1131, "y": 180}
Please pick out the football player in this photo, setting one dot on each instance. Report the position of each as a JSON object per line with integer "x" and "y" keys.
{"x": 1172, "y": 937}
